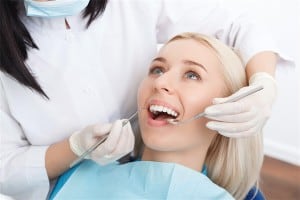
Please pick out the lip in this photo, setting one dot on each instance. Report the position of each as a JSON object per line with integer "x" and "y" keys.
{"x": 158, "y": 123}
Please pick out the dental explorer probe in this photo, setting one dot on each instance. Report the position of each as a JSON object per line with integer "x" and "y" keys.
{"x": 97, "y": 144}
{"x": 236, "y": 98}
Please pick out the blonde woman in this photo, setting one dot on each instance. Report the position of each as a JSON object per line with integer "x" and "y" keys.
{"x": 188, "y": 72}
{"x": 60, "y": 79}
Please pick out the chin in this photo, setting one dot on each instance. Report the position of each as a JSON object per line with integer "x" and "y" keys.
{"x": 158, "y": 143}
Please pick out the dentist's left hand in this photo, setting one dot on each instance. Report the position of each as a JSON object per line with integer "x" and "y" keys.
{"x": 247, "y": 116}
{"x": 119, "y": 142}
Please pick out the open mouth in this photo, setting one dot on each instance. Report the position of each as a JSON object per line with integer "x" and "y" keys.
{"x": 158, "y": 112}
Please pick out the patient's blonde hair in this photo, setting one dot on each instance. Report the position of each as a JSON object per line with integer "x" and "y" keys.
{"x": 232, "y": 163}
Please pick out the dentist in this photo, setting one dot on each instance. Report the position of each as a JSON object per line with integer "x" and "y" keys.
{"x": 69, "y": 67}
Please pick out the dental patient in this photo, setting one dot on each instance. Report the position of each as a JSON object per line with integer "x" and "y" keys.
{"x": 184, "y": 161}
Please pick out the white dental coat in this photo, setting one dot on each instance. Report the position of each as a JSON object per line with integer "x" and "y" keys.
{"x": 91, "y": 75}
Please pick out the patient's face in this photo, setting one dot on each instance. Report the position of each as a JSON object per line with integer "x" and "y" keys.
{"x": 182, "y": 80}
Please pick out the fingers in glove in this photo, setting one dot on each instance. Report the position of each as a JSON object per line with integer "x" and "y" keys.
{"x": 227, "y": 109}
{"x": 235, "y": 118}
{"x": 126, "y": 142}
{"x": 124, "y": 146}
{"x": 253, "y": 131}
{"x": 102, "y": 129}
{"x": 234, "y": 95}
{"x": 112, "y": 140}
{"x": 232, "y": 127}
{"x": 98, "y": 132}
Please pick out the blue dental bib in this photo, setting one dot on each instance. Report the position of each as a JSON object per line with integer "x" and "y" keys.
{"x": 139, "y": 180}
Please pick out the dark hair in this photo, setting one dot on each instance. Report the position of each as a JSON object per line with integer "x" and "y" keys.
{"x": 15, "y": 40}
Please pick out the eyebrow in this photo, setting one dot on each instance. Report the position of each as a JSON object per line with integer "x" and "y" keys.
{"x": 161, "y": 59}
{"x": 187, "y": 62}
{"x": 190, "y": 62}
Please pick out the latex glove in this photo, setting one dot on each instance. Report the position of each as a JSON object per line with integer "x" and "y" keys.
{"x": 248, "y": 115}
{"x": 119, "y": 142}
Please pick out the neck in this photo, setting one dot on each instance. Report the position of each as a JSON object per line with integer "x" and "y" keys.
{"x": 189, "y": 158}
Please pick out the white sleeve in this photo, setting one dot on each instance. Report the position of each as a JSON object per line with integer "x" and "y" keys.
{"x": 22, "y": 170}
{"x": 5, "y": 197}
{"x": 213, "y": 18}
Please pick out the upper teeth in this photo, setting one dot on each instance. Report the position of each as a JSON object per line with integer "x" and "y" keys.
{"x": 156, "y": 108}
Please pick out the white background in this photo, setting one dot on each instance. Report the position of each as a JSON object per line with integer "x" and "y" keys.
{"x": 282, "y": 18}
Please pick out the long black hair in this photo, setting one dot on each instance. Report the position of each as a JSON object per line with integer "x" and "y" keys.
{"x": 15, "y": 40}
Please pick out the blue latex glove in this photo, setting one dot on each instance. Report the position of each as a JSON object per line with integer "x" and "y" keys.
{"x": 247, "y": 116}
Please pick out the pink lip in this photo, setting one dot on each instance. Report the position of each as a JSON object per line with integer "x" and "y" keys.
{"x": 158, "y": 123}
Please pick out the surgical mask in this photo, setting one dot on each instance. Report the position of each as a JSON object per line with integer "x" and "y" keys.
{"x": 54, "y": 8}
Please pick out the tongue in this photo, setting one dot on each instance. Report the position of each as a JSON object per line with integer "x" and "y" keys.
{"x": 163, "y": 117}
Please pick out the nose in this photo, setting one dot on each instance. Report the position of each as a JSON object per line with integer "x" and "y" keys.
{"x": 164, "y": 83}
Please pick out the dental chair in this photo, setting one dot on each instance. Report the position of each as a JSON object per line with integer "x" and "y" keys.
{"x": 255, "y": 194}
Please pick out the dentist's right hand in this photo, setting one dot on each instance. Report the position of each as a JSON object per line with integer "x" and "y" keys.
{"x": 119, "y": 142}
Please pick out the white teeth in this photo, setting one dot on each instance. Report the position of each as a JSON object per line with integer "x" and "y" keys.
{"x": 157, "y": 108}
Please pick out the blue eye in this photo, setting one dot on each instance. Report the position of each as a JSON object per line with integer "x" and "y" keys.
{"x": 192, "y": 75}
{"x": 156, "y": 70}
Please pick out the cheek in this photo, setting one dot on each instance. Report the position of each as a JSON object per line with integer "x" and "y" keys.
{"x": 199, "y": 134}
{"x": 196, "y": 104}
{"x": 143, "y": 92}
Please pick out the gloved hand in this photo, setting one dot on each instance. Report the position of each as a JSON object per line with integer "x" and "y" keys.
{"x": 119, "y": 142}
{"x": 246, "y": 116}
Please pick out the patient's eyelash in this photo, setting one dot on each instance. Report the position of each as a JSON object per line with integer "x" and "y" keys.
{"x": 156, "y": 70}
{"x": 192, "y": 75}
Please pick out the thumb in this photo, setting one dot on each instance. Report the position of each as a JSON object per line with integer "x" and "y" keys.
{"x": 231, "y": 98}
{"x": 219, "y": 100}
{"x": 226, "y": 99}
{"x": 102, "y": 129}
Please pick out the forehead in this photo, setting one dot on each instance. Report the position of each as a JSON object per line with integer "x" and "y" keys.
{"x": 191, "y": 50}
